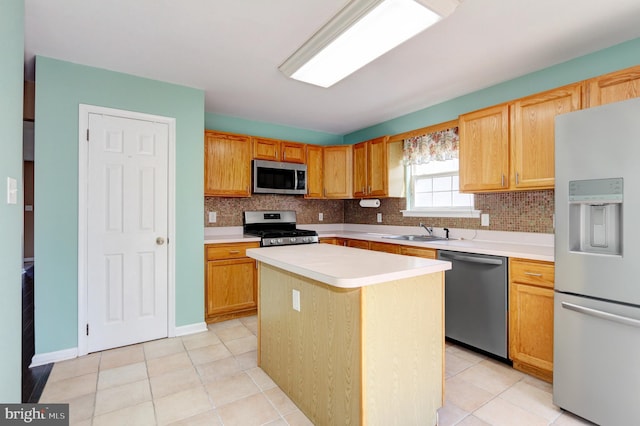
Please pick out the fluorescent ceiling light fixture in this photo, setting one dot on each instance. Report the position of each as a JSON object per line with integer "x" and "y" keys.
{"x": 361, "y": 32}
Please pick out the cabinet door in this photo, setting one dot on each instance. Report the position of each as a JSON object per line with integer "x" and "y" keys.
{"x": 377, "y": 173}
{"x": 614, "y": 87}
{"x": 531, "y": 329}
{"x": 266, "y": 149}
{"x": 337, "y": 171}
{"x": 360, "y": 180}
{"x": 227, "y": 164}
{"x": 292, "y": 152}
{"x": 315, "y": 183}
{"x": 231, "y": 286}
{"x": 533, "y": 127}
{"x": 484, "y": 149}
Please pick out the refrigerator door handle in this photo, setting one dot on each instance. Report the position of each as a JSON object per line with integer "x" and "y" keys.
{"x": 601, "y": 314}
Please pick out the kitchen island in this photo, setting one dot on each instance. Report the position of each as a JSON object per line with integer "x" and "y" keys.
{"x": 353, "y": 336}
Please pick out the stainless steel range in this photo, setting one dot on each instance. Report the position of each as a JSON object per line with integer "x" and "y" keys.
{"x": 276, "y": 228}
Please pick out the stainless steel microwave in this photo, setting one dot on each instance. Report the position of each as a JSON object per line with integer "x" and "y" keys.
{"x": 273, "y": 177}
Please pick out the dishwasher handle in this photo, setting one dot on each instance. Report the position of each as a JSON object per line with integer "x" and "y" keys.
{"x": 472, "y": 259}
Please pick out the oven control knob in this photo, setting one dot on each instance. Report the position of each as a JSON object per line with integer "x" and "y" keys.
{"x": 292, "y": 240}
{"x": 279, "y": 240}
{"x": 305, "y": 239}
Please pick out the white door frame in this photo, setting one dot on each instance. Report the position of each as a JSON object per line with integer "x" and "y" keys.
{"x": 83, "y": 152}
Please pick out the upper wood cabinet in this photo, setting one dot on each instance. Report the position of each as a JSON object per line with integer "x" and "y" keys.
{"x": 533, "y": 135}
{"x": 484, "y": 149}
{"x": 337, "y": 175}
{"x": 315, "y": 182}
{"x": 378, "y": 169}
{"x": 616, "y": 86}
{"x": 511, "y": 146}
{"x": 278, "y": 150}
{"x": 227, "y": 164}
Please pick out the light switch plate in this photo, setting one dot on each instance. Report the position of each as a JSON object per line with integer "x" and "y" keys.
{"x": 213, "y": 217}
{"x": 320, "y": 217}
{"x": 379, "y": 217}
{"x": 484, "y": 219}
{"x": 12, "y": 191}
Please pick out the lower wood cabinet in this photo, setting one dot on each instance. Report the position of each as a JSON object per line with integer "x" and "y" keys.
{"x": 531, "y": 317}
{"x": 385, "y": 247}
{"x": 231, "y": 281}
{"x": 427, "y": 253}
{"x": 362, "y": 244}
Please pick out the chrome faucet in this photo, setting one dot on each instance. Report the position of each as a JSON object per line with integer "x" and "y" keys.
{"x": 429, "y": 230}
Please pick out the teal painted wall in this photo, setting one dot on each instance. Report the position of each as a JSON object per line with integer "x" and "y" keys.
{"x": 268, "y": 130}
{"x": 60, "y": 88}
{"x": 11, "y": 83}
{"x": 614, "y": 58}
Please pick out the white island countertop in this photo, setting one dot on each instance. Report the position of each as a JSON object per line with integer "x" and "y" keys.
{"x": 345, "y": 267}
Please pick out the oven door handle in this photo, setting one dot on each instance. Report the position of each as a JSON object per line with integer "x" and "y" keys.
{"x": 472, "y": 259}
{"x": 602, "y": 314}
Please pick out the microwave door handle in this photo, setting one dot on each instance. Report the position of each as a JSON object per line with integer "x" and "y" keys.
{"x": 295, "y": 179}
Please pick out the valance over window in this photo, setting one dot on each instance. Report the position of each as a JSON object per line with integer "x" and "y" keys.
{"x": 436, "y": 146}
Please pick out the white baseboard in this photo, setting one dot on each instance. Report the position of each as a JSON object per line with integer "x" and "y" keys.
{"x": 65, "y": 354}
{"x": 191, "y": 329}
{"x": 49, "y": 357}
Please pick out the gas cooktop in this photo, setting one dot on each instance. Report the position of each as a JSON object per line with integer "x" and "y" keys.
{"x": 276, "y": 228}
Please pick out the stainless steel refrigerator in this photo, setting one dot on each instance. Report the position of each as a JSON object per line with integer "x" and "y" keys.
{"x": 596, "y": 372}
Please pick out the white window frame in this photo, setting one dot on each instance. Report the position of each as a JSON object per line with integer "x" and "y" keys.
{"x": 412, "y": 211}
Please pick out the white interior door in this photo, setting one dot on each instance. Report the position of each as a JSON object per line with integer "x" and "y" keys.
{"x": 127, "y": 229}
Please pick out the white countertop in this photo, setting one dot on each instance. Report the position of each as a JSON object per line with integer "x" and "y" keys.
{"x": 510, "y": 244}
{"x": 346, "y": 267}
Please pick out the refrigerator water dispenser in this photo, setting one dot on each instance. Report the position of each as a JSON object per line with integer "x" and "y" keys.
{"x": 595, "y": 216}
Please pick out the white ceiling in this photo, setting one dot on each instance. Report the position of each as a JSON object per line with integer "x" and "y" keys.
{"x": 232, "y": 49}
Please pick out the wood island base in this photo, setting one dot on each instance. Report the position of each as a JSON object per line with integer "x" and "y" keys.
{"x": 371, "y": 355}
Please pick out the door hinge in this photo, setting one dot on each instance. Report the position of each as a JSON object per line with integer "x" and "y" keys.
{"x": 87, "y": 135}
{"x": 87, "y": 329}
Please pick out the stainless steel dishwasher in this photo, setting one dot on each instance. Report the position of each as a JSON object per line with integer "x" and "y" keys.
{"x": 476, "y": 301}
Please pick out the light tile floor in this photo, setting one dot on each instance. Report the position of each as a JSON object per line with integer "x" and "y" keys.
{"x": 211, "y": 378}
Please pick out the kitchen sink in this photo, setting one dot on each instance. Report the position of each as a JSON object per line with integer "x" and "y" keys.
{"x": 415, "y": 237}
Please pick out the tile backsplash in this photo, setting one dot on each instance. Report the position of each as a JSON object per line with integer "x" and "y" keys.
{"x": 524, "y": 211}
{"x": 229, "y": 210}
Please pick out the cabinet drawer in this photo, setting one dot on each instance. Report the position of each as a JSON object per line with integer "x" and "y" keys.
{"x": 531, "y": 272}
{"x": 229, "y": 251}
{"x": 387, "y": 248}
{"x": 419, "y": 252}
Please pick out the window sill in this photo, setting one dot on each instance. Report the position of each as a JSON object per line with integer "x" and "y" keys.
{"x": 442, "y": 213}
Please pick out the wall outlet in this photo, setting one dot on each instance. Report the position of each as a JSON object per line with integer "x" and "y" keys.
{"x": 484, "y": 219}
{"x": 379, "y": 217}
{"x": 295, "y": 296}
{"x": 320, "y": 217}
{"x": 213, "y": 217}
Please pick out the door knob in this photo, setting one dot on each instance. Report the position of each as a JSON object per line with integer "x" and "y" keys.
{"x": 159, "y": 241}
